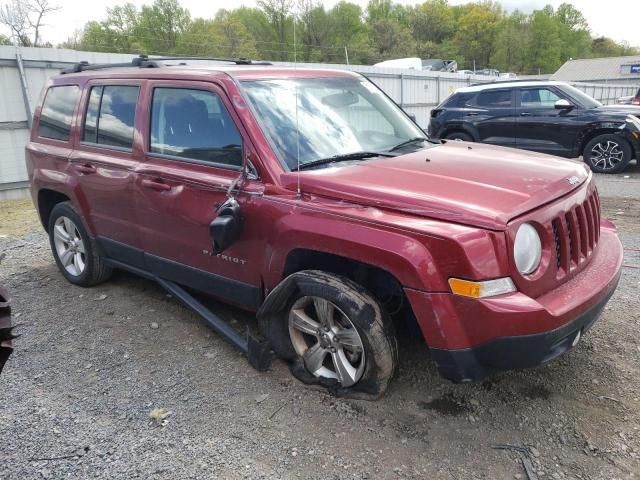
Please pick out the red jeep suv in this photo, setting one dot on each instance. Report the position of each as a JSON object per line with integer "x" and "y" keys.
{"x": 309, "y": 197}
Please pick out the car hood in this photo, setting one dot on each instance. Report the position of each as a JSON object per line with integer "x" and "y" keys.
{"x": 620, "y": 111}
{"x": 467, "y": 183}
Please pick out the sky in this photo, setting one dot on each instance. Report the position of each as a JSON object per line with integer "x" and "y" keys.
{"x": 617, "y": 19}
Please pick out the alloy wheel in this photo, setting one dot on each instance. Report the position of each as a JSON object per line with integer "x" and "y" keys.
{"x": 327, "y": 340}
{"x": 606, "y": 155}
{"x": 69, "y": 246}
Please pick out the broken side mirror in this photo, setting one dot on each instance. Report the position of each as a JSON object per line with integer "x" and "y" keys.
{"x": 225, "y": 228}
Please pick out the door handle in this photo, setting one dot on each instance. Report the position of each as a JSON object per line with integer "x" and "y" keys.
{"x": 157, "y": 185}
{"x": 525, "y": 114}
{"x": 471, "y": 114}
{"x": 86, "y": 168}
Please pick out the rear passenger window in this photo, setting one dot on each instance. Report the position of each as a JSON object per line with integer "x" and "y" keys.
{"x": 494, "y": 99}
{"x": 193, "y": 124}
{"x": 57, "y": 112}
{"x": 457, "y": 100}
{"x": 110, "y": 115}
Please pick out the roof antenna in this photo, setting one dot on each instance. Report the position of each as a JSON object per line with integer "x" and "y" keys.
{"x": 295, "y": 66}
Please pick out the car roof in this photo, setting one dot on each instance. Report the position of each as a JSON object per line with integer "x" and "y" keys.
{"x": 509, "y": 84}
{"x": 205, "y": 72}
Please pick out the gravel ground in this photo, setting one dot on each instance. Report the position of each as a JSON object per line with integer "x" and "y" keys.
{"x": 120, "y": 381}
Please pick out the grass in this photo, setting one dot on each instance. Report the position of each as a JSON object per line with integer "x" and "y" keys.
{"x": 18, "y": 217}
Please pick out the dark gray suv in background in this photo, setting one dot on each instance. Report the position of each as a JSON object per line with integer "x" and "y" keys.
{"x": 544, "y": 116}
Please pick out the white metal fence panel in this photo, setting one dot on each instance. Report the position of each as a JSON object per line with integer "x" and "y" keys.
{"x": 11, "y": 101}
{"x": 13, "y": 170}
{"x": 415, "y": 91}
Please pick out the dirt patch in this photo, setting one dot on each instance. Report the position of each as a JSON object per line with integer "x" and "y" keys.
{"x": 445, "y": 405}
{"x": 17, "y": 217}
{"x": 536, "y": 392}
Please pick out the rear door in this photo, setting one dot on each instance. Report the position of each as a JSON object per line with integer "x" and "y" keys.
{"x": 105, "y": 157}
{"x": 492, "y": 112}
{"x": 542, "y": 128}
{"x": 194, "y": 150}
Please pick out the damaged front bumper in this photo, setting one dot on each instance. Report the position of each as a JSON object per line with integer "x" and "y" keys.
{"x": 470, "y": 338}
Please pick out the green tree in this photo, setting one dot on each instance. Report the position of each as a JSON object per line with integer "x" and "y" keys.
{"x": 159, "y": 26}
{"x": 378, "y": 10}
{"x": 571, "y": 17}
{"x": 257, "y": 24}
{"x": 279, "y": 14}
{"x": 574, "y": 33}
{"x": 117, "y": 33}
{"x": 348, "y": 30}
{"x": 391, "y": 39}
{"x": 544, "y": 48}
{"x": 477, "y": 31}
{"x": 315, "y": 32}
{"x": 4, "y": 40}
{"x": 432, "y": 21}
{"x": 223, "y": 37}
{"x": 511, "y": 43}
{"x": 605, "y": 47}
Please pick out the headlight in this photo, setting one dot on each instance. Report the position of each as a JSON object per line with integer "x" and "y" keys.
{"x": 527, "y": 249}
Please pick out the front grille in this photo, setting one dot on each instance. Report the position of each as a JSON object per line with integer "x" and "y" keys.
{"x": 576, "y": 234}
{"x": 557, "y": 241}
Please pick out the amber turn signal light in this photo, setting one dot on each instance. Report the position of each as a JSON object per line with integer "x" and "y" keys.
{"x": 487, "y": 288}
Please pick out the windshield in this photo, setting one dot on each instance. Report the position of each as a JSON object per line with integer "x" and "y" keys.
{"x": 432, "y": 64}
{"x": 335, "y": 116}
{"x": 582, "y": 98}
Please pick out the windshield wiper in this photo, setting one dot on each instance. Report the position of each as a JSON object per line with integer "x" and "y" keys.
{"x": 409, "y": 142}
{"x": 343, "y": 157}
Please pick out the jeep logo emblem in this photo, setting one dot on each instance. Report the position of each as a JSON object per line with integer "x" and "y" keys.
{"x": 573, "y": 180}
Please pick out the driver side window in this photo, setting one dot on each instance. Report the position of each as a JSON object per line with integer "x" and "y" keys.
{"x": 538, "y": 98}
{"x": 193, "y": 124}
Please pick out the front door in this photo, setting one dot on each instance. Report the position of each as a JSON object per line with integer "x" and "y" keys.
{"x": 540, "y": 126}
{"x": 193, "y": 153}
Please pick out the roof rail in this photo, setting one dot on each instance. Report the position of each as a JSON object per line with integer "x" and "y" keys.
{"x": 143, "y": 61}
{"x": 237, "y": 61}
{"x": 518, "y": 80}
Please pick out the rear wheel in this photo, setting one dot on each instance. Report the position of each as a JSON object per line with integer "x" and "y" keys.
{"x": 607, "y": 154}
{"x": 465, "y": 137}
{"x": 334, "y": 333}
{"x": 73, "y": 249}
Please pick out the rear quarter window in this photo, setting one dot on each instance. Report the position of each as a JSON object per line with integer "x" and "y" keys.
{"x": 457, "y": 100}
{"x": 57, "y": 112}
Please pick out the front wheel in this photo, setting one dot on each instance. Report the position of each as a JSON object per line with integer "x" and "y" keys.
{"x": 464, "y": 137}
{"x": 607, "y": 154}
{"x": 73, "y": 249}
{"x": 334, "y": 333}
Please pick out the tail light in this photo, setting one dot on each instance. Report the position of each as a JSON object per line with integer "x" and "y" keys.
{"x": 636, "y": 101}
